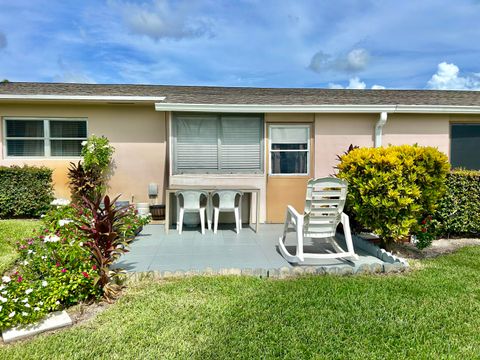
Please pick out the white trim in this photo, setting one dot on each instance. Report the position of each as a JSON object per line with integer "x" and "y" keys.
{"x": 113, "y": 98}
{"x": 307, "y": 150}
{"x": 270, "y": 108}
{"x": 379, "y": 129}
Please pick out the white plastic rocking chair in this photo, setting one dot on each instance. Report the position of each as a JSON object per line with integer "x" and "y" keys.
{"x": 323, "y": 213}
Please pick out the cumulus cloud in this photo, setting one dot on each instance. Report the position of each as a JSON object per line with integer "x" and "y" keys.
{"x": 3, "y": 40}
{"x": 448, "y": 77}
{"x": 354, "y": 83}
{"x": 161, "y": 20}
{"x": 354, "y": 61}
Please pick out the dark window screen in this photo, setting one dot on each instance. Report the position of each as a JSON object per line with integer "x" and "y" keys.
{"x": 465, "y": 146}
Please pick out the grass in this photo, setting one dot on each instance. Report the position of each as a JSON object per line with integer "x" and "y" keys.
{"x": 433, "y": 312}
{"x": 12, "y": 231}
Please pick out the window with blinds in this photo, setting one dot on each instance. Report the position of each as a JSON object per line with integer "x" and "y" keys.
{"x": 213, "y": 143}
{"x": 465, "y": 140}
{"x": 44, "y": 137}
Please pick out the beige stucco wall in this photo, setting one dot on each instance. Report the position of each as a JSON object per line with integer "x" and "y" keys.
{"x": 138, "y": 134}
{"x": 333, "y": 135}
{"x": 422, "y": 129}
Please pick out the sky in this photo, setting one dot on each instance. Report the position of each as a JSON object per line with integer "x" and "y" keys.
{"x": 359, "y": 44}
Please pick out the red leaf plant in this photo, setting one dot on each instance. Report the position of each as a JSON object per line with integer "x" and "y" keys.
{"x": 105, "y": 240}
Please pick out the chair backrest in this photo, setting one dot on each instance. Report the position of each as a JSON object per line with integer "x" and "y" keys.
{"x": 226, "y": 199}
{"x": 324, "y": 203}
{"x": 192, "y": 199}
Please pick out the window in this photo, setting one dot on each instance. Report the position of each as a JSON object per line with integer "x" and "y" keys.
{"x": 213, "y": 143}
{"x": 465, "y": 142}
{"x": 289, "y": 149}
{"x": 44, "y": 137}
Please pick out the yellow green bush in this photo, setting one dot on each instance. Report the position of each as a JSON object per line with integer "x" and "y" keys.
{"x": 391, "y": 188}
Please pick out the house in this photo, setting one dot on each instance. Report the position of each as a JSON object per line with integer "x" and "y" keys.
{"x": 271, "y": 139}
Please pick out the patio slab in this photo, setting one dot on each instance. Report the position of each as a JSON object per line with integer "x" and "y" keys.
{"x": 153, "y": 250}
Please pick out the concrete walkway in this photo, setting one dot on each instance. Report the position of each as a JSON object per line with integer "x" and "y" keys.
{"x": 153, "y": 250}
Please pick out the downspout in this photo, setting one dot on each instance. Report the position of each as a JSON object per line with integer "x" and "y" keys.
{"x": 379, "y": 128}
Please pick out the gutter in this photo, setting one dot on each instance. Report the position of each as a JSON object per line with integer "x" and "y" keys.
{"x": 100, "y": 98}
{"x": 379, "y": 128}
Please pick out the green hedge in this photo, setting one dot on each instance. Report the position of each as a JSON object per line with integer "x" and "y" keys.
{"x": 25, "y": 192}
{"x": 459, "y": 210}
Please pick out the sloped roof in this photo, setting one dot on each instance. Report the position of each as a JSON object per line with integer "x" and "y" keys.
{"x": 243, "y": 95}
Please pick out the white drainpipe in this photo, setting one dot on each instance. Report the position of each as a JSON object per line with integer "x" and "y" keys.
{"x": 379, "y": 127}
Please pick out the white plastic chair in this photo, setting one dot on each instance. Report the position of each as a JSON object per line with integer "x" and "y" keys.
{"x": 227, "y": 201}
{"x": 191, "y": 201}
{"x": 324, "y": 205}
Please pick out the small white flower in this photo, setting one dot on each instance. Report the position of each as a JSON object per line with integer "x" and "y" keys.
{"x": 36, "y": 308}
{"x": 1, "y": 307}
{"x": 84, "y": 143}
{"x": 24, "y": 301}
{"x": 64, "y": 222}
{"x": 51, "y": 238}
{"x": 60, "y": 202}
{"x": 44, "y": 257}
{"x": 30, "y": 251}
{"x": 57, "y": 302}
{"x": 106, "y": 146}
{"x": 40, "y": 303}
{"x": 27, "y": 305}
{"x": 4, "y": 292}
{"x": 72, "y": 242}
{"x": 25, "y": 262}
{"x": 15, "y": 300}
{"x": 12, "y": 314}
{"x": 44, "y": 283}
{"x": 3, "y": 300}
{"x": 81, "y": 244}
{"x": 24, "y": 313}
{"x": 2, "y": 287}
{"x": 6, "y": 279}
{"x": 28, "y": 291}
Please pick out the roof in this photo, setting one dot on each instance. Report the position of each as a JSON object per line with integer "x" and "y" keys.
{"x": 249, "y": 99}
{"x": 248, "y": 95}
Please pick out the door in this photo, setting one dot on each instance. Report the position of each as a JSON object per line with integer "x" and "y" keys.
{"x": 290, "y": 165}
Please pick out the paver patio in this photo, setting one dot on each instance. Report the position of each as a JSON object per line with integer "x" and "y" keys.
{"x": 153, "y": 250}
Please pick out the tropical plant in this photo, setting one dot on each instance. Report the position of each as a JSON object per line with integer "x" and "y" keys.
{"x": 390, "y": 188}
{"x": 103, "y": 233}
{"x": 84, "y": 182}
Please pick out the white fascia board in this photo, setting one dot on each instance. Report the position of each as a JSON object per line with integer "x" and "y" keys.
{"x": 252, "y": 108}
{"x": 261, "y": 108}
{"x": 111, "y": 98}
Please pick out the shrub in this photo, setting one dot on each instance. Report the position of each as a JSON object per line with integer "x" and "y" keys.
{"x": 83, "y": 182}
{"x": 25, "y": 191}
{"x": 391, "y": 188}
{"x": 459, "y": 209}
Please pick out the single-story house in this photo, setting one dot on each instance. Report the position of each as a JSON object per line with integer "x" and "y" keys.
{"x": 269, "y": 138}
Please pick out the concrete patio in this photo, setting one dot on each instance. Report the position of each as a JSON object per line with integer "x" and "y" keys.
{"x": 153, "y": 250}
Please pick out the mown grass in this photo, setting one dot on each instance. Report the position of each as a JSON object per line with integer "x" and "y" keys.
{"x": 12, "y": 231}
{"x": 433, "y": 312}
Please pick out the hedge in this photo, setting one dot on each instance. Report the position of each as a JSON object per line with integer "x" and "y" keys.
{"x": 391, "y": 188}
{"x": 25, "y": 192}
{"x": 459, "y": 210}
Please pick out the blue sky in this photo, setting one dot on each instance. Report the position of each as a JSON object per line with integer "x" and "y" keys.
{"x": 267, "y": 43}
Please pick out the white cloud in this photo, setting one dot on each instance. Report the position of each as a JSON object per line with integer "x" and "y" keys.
{"x": 160, "y": 20}
{"x": 354, "y": 83}
{"x": 356, "y": 60}
{"x": 447, "y": 78}
{"x": 3, "y": 40}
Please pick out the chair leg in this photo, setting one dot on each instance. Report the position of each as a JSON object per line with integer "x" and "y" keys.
{"x": 202, "y": 220}
{"x": 180, "y": 220}
{"x": 237, "y": 220}
{"x": 216, "y": 212}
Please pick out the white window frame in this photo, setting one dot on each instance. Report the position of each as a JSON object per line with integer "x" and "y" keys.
{"x": 46, "y": 137}
{"x": 218, "y": 171}
{"x": 270, "y": 150}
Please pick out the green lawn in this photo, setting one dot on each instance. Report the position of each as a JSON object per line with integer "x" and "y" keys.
{"x": 433, "y": 312}
{"x": 12, "y": 231}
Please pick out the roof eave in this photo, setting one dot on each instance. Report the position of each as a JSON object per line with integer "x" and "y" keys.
{"x": 268, "y": 108}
